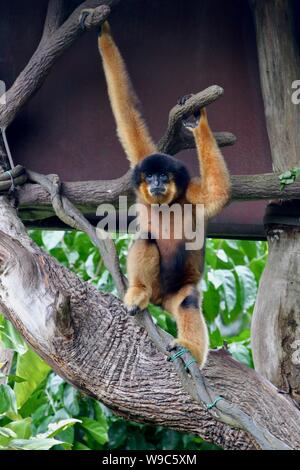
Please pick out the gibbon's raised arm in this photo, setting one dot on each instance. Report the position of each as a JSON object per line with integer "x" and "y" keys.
{"x": 213, "y": 188}
{"x": 131, "y": 127}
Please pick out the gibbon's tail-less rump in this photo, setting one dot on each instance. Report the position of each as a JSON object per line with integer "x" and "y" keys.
{"x": 161, "y": 269}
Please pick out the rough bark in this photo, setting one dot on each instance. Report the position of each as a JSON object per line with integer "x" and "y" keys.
{"x": 277, "y": 313}
{"x": 106, "y": 354}
{"x": 276, "y": 318}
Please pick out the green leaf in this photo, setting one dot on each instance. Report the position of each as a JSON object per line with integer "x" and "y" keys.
{"x": 16, "y": 378}
{"x": 11, "y": 338}
{"x": 70, "y": 399}
{"x": 97, "y": 429}
{"x": 216, "y": 339}
{"x": 21, "y": 428}
{"x": 211, "y": 303}
{"x": 33, "y": 444}
{"x": 79, "y": 446}
{"x": 249, "y": 248}
{"x": 249, "y": 287}
{"x": 286, "y": 174}
{"x": 225, "y": 280}
{"x": 52, "y": 239}
{"x": 7, "y": 401}
{"x": 241, "y": 353}
{"x": 32, "y": 368}
{"x": 56, "y": 428}
{"x": 6, "y": 435}
{"x": 289, "y": 181}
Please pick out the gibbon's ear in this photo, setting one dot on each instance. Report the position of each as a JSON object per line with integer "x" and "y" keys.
{"x": 131, "y": 128}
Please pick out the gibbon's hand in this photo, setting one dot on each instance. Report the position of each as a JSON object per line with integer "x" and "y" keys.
{"x": 191, "y": 121}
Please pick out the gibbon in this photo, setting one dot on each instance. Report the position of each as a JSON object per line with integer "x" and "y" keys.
{"x": 162, "y": 271}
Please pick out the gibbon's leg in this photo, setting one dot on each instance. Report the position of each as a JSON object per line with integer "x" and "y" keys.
{"x": 143, "y": 274}
{"x": 131, "y": 128}
{"x": 213, "y": 188}
{"x": 191, "y": 326}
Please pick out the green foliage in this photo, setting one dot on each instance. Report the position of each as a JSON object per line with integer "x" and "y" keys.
{"x": 289, "y": 177}
{"x": 39, "y": 410}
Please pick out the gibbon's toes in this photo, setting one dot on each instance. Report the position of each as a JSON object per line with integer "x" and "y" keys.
{"x": 192, "y": 348}
{"x": 183, "y": 99}
{"x": 133, "y": 310}
{"x": 173, "y": 348}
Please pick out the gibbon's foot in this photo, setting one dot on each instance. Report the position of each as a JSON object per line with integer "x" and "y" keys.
{"x": 136, "y": 299}
{"x": 192, "y": 348}
{"x": 193, "y": 120}
{"x": 173, "y": 348}
{"x": 133, "y": 310}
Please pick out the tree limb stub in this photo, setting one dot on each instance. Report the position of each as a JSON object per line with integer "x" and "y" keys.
{"x": 111, "y": 357}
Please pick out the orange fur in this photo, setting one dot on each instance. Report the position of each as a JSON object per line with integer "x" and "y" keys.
{"x": 213, "y": 189}
{"x": 192, "y": 329}
{"x": 147, "y": 259}
{"x": 131, "y": 128}
{"x": 143, "y": 283}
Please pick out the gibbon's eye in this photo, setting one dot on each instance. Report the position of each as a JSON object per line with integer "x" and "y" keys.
{"x": 164, "y": 177}
{"x": 148, "y": 176}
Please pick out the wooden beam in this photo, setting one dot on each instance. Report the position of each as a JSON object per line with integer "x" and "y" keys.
{"x": 35, "y": 203}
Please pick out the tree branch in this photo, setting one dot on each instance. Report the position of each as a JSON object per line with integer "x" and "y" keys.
{"x": 178, "y": 138}
{"x": 54, "y": 18}
{"x": 35, "y": 202}
{"x": 49, "y": 50}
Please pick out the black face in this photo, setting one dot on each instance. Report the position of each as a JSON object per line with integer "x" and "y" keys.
{"x": 157, "y": 183}
{"x": 158, "y": 170}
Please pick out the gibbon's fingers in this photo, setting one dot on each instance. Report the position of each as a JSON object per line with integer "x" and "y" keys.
{"x": 131, "y": 128}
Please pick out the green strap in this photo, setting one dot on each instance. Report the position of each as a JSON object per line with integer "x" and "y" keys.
{"x": 189, "y": 362}
{"x": 179, "y": 353}
{"x": 209, "y": 406}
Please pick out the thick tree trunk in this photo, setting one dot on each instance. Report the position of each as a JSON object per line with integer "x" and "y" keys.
{"x": 276, "y": 318}
{"x": 276, "y": 325}
{"x": 89, "y": 339}
{"x": 279, "y": 65}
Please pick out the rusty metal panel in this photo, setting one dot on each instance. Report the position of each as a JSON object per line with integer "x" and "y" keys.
{"x": 172, "y": 47}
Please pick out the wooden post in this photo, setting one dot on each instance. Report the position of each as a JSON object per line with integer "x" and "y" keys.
{"x": 276, "y": 318}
